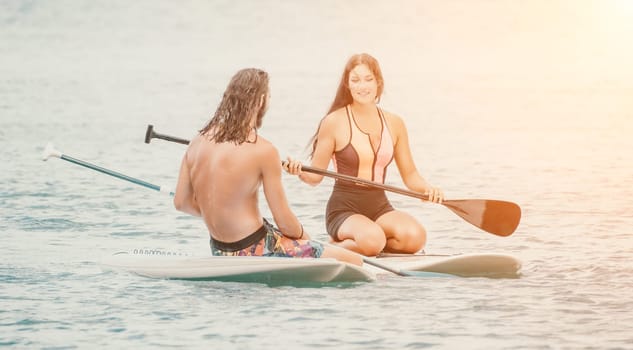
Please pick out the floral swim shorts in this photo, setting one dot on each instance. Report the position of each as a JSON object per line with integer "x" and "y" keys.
{"x": 267, "y": 241}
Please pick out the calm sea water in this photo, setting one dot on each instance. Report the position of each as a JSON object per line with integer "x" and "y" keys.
{"x": 527, "y": 102}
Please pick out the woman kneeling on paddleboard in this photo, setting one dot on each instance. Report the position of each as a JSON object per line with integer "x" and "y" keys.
{"x": 223, "y": 169}
{"x": 362, "y": 139}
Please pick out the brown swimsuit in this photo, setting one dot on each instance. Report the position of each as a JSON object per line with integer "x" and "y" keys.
{"x": 359, "y": 159}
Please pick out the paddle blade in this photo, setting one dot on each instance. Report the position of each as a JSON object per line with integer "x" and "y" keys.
{"x": 497, "y": 217}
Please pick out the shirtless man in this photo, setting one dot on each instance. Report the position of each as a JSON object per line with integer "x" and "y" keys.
{"x": 222, "y": 171}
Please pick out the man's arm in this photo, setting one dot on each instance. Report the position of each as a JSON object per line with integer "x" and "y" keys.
{"x": 286, "y": 221}
{"x": 185, "y": 199}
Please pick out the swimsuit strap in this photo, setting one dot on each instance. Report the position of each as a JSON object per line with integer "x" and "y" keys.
{"x": 349, "y": 124}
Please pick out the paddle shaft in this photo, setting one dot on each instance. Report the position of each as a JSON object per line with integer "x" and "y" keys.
{"x": 150, "y": 134}
{"x": 497, "y": 217}
{"x": 113, "y": 173}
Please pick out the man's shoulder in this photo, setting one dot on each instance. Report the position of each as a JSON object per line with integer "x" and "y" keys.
{"x": 263, "y": 142}
{"x": 265, "y": 146}
{"x": 265, "y": 153}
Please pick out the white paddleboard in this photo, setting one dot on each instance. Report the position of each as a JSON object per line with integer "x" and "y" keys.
{"x": 493, "y": 265}
{"x": 275, "y": 270}
{"x": 270, "y": 270}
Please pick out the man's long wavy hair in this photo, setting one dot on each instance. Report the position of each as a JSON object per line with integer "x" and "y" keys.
{"x": 241, "y": 99}
{"x": 343, "y": 95}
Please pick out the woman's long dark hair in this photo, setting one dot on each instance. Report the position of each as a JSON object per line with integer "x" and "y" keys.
{"x": 343, "y": 96}
{"x": 242, "y": 98}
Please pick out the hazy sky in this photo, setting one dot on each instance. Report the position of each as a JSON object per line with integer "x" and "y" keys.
{"x": 563, "y": 42}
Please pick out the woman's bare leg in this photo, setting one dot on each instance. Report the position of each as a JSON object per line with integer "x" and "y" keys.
{"x": 404, "y": 233}
{"x": 342, "y": 254}
{"x": 361, "y": 235}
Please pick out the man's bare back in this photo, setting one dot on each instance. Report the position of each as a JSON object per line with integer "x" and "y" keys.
{"x": 229, "y": 177}
{"x": 232, "y": 174}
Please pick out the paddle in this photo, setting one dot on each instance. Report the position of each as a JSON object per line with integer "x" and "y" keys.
{"x": 50, "y": 151}
{"x": 150, "y": 134}
{"x": 494, "y": 216}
